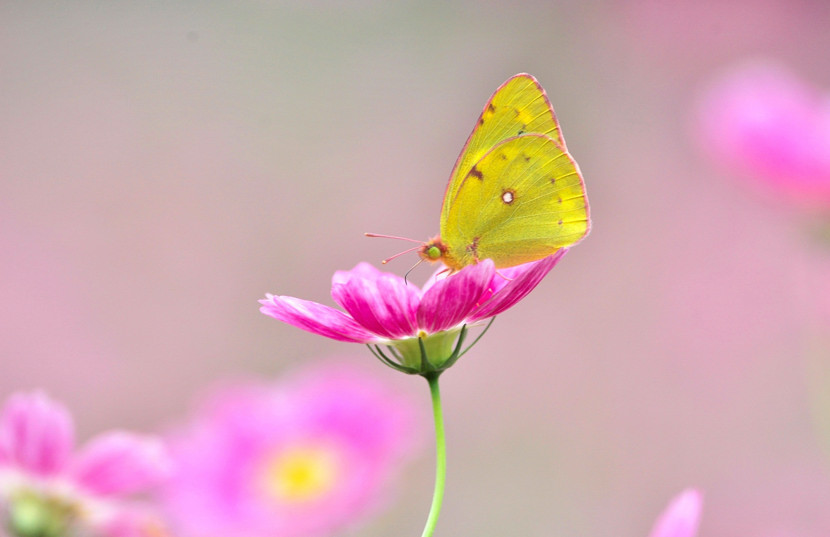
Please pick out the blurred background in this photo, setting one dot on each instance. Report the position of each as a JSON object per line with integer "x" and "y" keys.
{"x": 164, "y": 165}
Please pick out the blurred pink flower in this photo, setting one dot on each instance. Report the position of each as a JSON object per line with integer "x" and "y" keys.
{"x": 771, "y": 128}
{"x": 308, "y": 457}
{"x": 681, "y": 517}
{"x": 45, "y": 486}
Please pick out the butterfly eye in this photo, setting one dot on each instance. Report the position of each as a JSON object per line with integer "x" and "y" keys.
{"x": 433, "y": 252}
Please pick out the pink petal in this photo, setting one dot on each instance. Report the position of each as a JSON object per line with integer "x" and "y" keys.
{"x": 361, "y": 408}
{"x": 132, "y": 521}
{"x": 36, "y": 433}
{"x": 438, "y": 274}
{"x": 381, "y": 302}
{"x": 681, "y": 517}
{"x": 450, "y": 300}
{"x": 315, "y": 318}
{"x": 118, "y": 463}
{"x": 520, "y": 282}
{"x": 363, "y": 270}
{"x": 368, "y": 426}
{"x": 771, "y": 127}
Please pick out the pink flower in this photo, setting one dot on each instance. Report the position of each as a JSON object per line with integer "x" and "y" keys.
{"x": 381, "y": 308}
{"x": 44, "y": 485}
{"x": 308, "y": 457}
{"x": 771, "y": 128}
{"x": 681, "y": 517}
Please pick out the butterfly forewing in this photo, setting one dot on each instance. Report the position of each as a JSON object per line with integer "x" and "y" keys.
{"x": 521, "y": 201}
{"x": 518, "y": 106}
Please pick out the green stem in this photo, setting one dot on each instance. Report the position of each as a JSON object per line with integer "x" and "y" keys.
{"x": 440, "y": 456}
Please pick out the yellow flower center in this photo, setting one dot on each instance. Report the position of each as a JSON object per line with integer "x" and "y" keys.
{"x": 302, "y": 473}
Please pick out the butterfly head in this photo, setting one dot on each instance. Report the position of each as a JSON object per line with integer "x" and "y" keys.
{"x": 433, "y": 250}
{"x": 437, "y": 250}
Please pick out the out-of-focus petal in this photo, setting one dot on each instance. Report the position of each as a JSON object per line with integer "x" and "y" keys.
{"x": 133, "y": 521}
{"x": 381, "y": 302}
{"x": 36, "y": 433}
{"x": 315, "y": 318}
{"x": 681, "y": 517}
{"x": 519, "y": 282}
{"x": 119, "y": 462}
{"x": 349, "y": 403}
{"x": 449, "y": 301}
{"x": 230, "y": 477}
{"x": 771, "y": 127}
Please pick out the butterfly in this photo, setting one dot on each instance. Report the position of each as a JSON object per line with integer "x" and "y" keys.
{"x": 515, "y": 194}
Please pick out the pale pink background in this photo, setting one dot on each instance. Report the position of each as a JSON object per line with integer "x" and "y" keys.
{"x": 163, "y": 166}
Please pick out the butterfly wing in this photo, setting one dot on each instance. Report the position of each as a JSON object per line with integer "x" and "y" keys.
{"x": 518, "y": 106}
{"x": 521, "y": 201}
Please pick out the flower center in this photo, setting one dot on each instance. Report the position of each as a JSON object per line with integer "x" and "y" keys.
{"x": 302, "y": 473}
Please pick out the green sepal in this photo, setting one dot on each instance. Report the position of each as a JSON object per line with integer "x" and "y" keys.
{"x": 426, "y": 355}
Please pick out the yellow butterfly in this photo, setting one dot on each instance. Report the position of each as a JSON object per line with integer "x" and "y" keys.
{"x": 515, "y": 194}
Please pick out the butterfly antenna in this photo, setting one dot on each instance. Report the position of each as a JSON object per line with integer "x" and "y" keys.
{"x": 388, "y": 259}
{"x": 379, "y": 236}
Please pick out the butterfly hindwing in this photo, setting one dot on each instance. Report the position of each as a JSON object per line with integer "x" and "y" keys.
{"x": 518, "y": 106}
{"x": 521, "y": 201}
